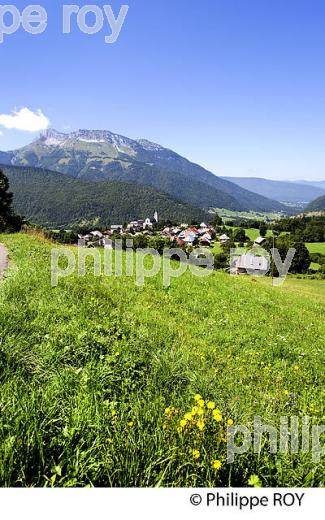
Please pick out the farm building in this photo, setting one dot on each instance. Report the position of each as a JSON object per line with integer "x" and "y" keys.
{"x": 250, "y": 264}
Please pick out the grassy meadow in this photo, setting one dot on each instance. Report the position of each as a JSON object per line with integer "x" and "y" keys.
{"x": 305, "y": 287}
{"x": 316, "y": 247}
{"x": 104, "y": 383}
{"x": 254, "y": 215}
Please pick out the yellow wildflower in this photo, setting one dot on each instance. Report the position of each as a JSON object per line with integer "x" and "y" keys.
{"x": 211, "y": 405}
{"x": 194, "y": 410}
{"x": 216, "y": 464}
{"x": 188, "y": 416}
{"x": 183, "y": 423}
{"x": 130, "y": 424}
{"x": 230, "y": 422}
{"x": 197, "y": 397}
{"x": 217, "y": 417}
{"x": 167, "y": 411}
{"x": 113, "y": 413}
{"x": 200, "y": 424}
{"x": 196, "y": 454}
{"x": 201, "y": 403}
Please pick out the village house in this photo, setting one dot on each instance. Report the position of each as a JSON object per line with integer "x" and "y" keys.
{"x": 203, "y": 229}
{"x": 168, "y": 232}
{"x": 189, "y": 236}
{"x": 92, "y": 238}
{"x": 137, "y": 226}
{"x": 147, "y": 224}
{"x": 97, "y": 234}
{"x": 249, "y": 264}
{"x": 260, "y": 240}
{"x": 117, "y": 228}
{"x": 180, "y": 242}
{"x": 86, "y": 238}
{"x": 224, "y": 238}
{"x": 206, "y": 240}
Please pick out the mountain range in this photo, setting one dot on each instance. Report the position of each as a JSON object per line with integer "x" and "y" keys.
{"x": 54, "y": 200}
{"x": 282, "y": 191}
{"x": 98, "y": 155}
{"x": 317, "y": 184}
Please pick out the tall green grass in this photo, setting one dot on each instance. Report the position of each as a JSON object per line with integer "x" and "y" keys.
{"x": 87, "y": 370}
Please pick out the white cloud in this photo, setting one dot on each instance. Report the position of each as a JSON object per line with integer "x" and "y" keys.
{"x": 1, "y": 133}
{"x": 26, "y": 120}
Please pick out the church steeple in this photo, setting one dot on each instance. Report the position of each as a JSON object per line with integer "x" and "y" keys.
{"x": 155, "y": 217}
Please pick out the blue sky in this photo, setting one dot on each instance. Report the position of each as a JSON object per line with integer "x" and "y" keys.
{"x": 235, "y": 85}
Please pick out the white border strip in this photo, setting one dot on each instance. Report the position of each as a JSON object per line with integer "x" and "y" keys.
{"x": 170, "y": 504}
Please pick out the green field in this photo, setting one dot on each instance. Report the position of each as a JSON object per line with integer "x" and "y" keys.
{"x": 316, "y": 247}
{"x": 253, "y": 233}
{"x": 217, "y": 249}
{"x": 97, "y": 374}
{"x": 313, "y": 289}
{"x": 254, "y": 215}
{"x": 314, "y": 266}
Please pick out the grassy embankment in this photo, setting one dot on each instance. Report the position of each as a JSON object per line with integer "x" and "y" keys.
{"x": 88, "y": 369}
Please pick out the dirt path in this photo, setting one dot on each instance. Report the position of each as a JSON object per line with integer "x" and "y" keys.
{"x": 3, "y": 260}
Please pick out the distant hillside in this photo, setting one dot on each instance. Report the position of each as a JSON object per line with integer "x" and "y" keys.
{"x": 317, "y": 205}
{"x": 281, "y": 191}
{"x": 102, "y": 155}
{"x": 57, "y": 201}
{"x": 316, "y": 184}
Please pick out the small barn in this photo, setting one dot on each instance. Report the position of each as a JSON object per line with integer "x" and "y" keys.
{"x": 250, "y": 264}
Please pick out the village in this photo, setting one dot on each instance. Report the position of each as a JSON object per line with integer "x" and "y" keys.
{"x": 185, "y": 236}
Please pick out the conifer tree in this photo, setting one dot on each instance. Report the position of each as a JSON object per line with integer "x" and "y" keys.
{"x": 9, "y": 221}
